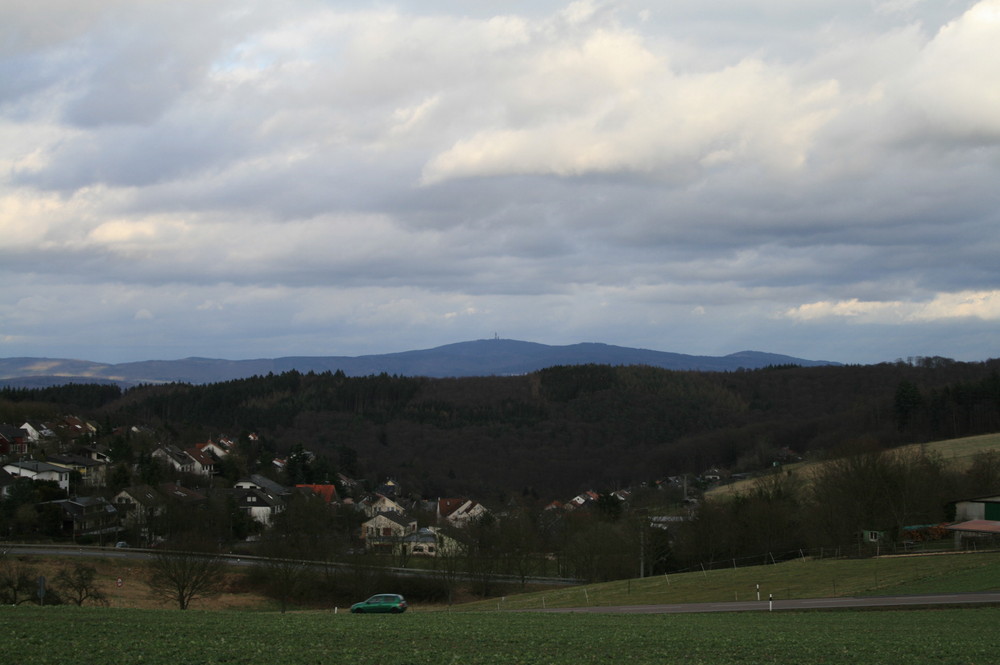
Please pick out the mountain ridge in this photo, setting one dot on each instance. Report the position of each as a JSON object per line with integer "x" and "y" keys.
{"x": 484, "y": 357}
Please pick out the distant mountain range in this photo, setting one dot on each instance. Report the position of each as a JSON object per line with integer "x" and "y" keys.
{"x": 487, "y": 357}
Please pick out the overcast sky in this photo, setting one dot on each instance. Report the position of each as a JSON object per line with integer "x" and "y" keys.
{"x": 255, "y": 179}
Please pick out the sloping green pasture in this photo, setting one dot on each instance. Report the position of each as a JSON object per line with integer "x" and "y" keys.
{"x": 957, "y": 452}
{"x": 799, "y": 578}
{"x": 85, "y": 636}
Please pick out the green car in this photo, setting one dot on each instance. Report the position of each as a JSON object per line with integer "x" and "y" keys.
{"x": 383, "y": 602}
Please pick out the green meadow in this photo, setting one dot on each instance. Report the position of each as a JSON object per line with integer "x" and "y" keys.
{"x": 34, "y": 635}
{"x": 798, "y": 578}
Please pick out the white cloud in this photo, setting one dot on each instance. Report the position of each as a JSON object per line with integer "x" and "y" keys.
{"x": 983, "y": 305}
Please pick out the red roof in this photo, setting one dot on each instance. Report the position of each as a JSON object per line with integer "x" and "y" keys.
{"x": 978, "y": 526}
{"x": 448, "y": 506}
{"x": 328, "y": 492}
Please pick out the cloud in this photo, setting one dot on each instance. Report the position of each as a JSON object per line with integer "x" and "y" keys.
{"x": 984, "y": 305}
{"x": 297, "y": 177}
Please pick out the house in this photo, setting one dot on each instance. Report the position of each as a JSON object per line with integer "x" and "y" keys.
{"x": 202, "y": 463}
{"x": 982, "y": 508}
{"x": 379, "y": 503}
{"x": 258, "y": 504}
{"x": 78, "y": 426}
{"x": 327, "y": 491}
{"x": 176, "y": 458}
{"x": 350, "y": 485}
{"x": 181, "y": 494}
{"x": 95, "y": 451}
{"x": 39, "y": 471}
{"x": 384, "y": 532}
{"x": 581, "y": 500}
{"x": 430, "y": 542}
{"x": 389, "y": 488}
{"x": 13, "y": 441}
{"x": 91, "y": 471}
{"x": 37, "y": 431}
{"x": 976, "y": 520}
{"x": 217, "y": 449}
{"x": 88, "y": 516}
{"x": 138, "y": 506}
{"x": 459, "y": 512}
{"x": 71, "y": 428}
{"x": 263, "y": 483}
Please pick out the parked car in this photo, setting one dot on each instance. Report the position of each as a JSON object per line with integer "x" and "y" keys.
{"x": 383, "y": 602}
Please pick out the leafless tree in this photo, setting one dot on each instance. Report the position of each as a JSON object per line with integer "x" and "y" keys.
{"x": 286, "y": 575}
{"x": 79, "y": 586}
{"x": 18, "y": 580}
{"x": 182, "y": 577}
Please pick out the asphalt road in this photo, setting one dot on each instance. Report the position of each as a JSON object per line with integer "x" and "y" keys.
{"x": 926, "y": 600}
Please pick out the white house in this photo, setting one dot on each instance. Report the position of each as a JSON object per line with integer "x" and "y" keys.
{"x": 39, "y": 471}
{"x": 385, "y": 532}
{"x": 259, "y": 505}
{"x": 379, "y": 503}
{"x": 175, "y": 457}
{"x": 217, "y": 449}
{"x": 459, "y": 512}
{"x": 91, "y": 471}
{"x": 37, "y": 431}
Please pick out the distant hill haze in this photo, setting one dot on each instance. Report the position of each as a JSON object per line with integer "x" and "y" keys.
{"x": 488, "y": 357}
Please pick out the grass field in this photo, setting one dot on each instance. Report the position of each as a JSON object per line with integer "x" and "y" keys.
{"x": 36, "y": 636}
{"x": 958, "y": 452}
{"x": 806, "y": 578}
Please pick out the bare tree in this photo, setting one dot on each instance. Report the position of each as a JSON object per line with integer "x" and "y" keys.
{"x": 18, "y": 580}
{"x": 79, "y": 585}
{"x": 285, "y": 574}
{"x": 182, "y": 577}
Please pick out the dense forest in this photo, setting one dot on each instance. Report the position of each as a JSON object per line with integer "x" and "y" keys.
{"x": 553, "y": 433}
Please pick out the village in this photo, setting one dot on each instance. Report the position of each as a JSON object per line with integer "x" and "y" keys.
{"x": 85, "y": 496}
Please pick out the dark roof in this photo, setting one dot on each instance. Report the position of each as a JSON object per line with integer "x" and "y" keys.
{"x": 423, "y": 535}
{"x": 175, "y": 491}
{"x": 992, "y": 498}
{"x": 266, "y": 484}
{"x": 242, "y": 495}
{"x": 144, "y": 494}
{"x": 73, "y": 460}
{"x": 38, "y": 467}
{"x": 10, "y": 432}
{"x": 401, "y": 520}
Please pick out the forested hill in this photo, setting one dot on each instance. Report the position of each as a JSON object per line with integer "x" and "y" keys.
{"x": 485, "y": 357}
{"x": 557, "y": 431}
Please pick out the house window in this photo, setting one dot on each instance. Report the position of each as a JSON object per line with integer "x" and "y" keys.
{"x": 386, "y": 531}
